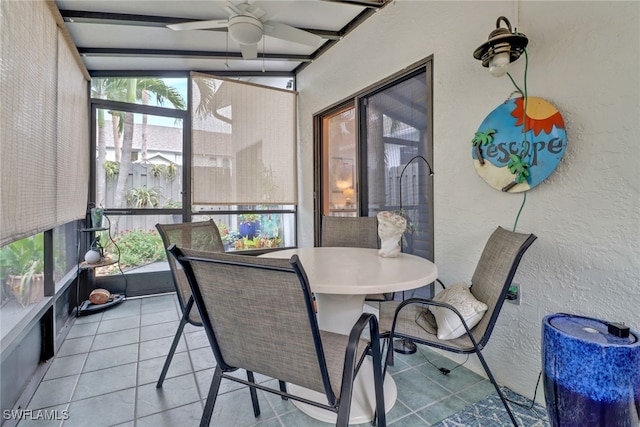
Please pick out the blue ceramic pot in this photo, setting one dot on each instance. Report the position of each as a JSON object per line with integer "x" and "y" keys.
{"x": 248, "y": 229}
{"x": 591, "y": 377}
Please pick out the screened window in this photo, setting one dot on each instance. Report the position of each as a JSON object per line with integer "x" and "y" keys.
{"x": 139, "y": 133}
{"x": 243, "y": 143}
{"x": 244, "y": 161}
{"x": 232, "y": 159}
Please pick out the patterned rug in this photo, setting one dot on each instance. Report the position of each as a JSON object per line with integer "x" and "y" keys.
{"x": 490, "y": 412}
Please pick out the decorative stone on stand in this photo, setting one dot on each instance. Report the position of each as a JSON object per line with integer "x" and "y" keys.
{"x": 390, "y": 229}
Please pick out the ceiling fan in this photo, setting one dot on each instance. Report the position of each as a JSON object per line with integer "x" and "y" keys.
{"x": 247, "y": 24}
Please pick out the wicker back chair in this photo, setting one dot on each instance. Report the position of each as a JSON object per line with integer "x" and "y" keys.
{"x": 258, "y": 315}
{"x": 412, "y": 320}
{"x": 203, "y": 236}
{"x": 355, "y": 232}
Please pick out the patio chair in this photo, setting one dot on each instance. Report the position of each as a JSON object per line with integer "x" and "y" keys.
{"x": 258, "y": 315}
{"x": 355, "y": 232}
{"x": 204, "y": 236}
{"x": 414, "y": 319}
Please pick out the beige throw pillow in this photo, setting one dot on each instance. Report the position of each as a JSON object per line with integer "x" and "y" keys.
{"x": 459, "y": 296}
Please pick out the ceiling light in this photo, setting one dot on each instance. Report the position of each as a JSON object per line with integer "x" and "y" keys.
{"x": 502, "y": 48}
{"x": 245, "y": 29}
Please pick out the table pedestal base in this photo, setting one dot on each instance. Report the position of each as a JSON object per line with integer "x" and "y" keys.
{"x": 363, "y": 400}
{"x": 404, "y": 346}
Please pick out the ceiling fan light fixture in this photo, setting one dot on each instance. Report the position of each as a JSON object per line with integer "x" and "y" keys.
{"x": 502, "y": 48}
{"x": 245, "y": 29}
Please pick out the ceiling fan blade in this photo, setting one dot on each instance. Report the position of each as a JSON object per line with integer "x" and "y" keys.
{"x": 256, "y": 11}
{"x": 231, "y": 9}
{"x": 199, "y": 25}
{"x": 249, "y": 51}
{"x": 289, "y": 33}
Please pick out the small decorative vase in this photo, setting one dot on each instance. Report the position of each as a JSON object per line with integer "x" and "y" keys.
{"x": 390, "y": 229}
{"x": 93, "y": 256}
{"x": 96, "y": 217}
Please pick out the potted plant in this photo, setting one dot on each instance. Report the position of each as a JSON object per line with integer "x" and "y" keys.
{"x": 249, "y": 225}
{"x": 229, "y": 237}
{"x": 22, "y": 265}
{"x": 156, "y": 170}
{"x": 143, "y": 197}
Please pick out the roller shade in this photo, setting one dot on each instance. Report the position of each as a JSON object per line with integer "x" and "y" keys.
{"x": 243, "y": 143}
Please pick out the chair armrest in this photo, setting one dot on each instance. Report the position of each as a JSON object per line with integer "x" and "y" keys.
{"x": 354, "y": 338}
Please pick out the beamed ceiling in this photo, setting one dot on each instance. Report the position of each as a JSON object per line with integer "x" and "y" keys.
{"x": 125, "y": 37}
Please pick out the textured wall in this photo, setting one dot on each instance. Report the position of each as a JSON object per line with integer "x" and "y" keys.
{"x": 585, "y": 59}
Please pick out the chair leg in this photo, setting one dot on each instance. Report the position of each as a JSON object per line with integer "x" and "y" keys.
{"x": 346, "y": 392}
{"x": 211, "y": 398}
{"x": 254, "y": 395}
{"x": 497, "y": 387}
{"x": 379, "y": 417}
{"x": 174, "y": 344}
{"x": 389, "y": 358}
{"x": 283, "y": 388}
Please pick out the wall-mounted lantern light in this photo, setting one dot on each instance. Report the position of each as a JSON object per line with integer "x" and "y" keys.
{"x": 503, "y": 47}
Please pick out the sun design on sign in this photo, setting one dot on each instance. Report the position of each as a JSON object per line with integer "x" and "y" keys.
{"x": 514, "y": 158}
{"x": 541, "y": 116}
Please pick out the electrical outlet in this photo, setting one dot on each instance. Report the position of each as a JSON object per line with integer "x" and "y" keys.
{"x": 513, "y": 295}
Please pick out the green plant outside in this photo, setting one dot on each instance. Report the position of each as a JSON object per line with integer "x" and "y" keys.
{"x": 258, "y": 242}
{"x": 143, "y": 197}
{"x": 137, "y": 248}
{"x": 169, "y": 171}
{"x": 24, "y": 258}
{"x": 111, "y": 169}
{"x": 248, "y": 218}
{"x": 172, "y": 204}
{"x": 156, "y": 170}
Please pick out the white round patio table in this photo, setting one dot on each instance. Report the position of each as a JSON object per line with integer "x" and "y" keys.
{"x": 340, "y": 278}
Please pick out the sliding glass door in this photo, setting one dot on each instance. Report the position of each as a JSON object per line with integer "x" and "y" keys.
{"x": 339, "y": 155}
{"x": 396, "y": 154}
{"x": 374, "y": 154}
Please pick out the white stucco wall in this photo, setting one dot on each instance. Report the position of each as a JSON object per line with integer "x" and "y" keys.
{"x": 585, "y": 59}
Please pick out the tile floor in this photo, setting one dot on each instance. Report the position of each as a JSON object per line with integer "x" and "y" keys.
{"x": 105, "y": 372}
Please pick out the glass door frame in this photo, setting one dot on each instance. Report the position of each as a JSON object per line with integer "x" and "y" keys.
{"x": 354, "y": 101}
{"x": 321, "y": 189}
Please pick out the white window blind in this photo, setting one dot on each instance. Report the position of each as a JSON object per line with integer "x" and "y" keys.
{"x": 39, "y": 149}
{"x": 72, "y": 153}
{"x": 243, "y": 143}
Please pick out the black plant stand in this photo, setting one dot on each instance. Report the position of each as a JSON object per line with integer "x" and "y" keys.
{"x": 87, "y": 307}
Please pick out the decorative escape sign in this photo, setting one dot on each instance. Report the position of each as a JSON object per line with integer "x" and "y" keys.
{"x": 513, "y": 158}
